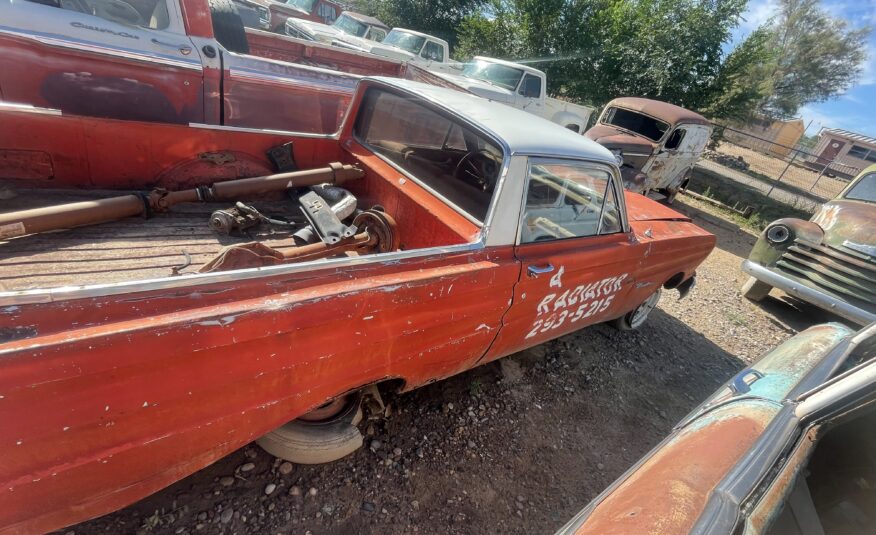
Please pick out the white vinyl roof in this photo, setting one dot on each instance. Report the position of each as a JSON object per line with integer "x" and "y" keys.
{"x": 520, "y": 131}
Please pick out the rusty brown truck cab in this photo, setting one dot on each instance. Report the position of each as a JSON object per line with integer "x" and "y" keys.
{"x": 655, "y": 143}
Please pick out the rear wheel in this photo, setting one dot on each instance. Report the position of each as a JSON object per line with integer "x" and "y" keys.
{"x": 228, "y": 27}
{"x": 755, "y": 290}
{"x": 323, "y": 435}
{"x": 636, "y": 318}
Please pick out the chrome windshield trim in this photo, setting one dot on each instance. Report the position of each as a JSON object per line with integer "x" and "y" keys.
{"x": 123, "y": 53}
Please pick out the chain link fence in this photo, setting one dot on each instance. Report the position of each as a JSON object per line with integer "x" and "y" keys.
{"x": 794, "y": 171}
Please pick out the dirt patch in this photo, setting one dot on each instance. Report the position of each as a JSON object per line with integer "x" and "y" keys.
{"x": 515, "y": 446}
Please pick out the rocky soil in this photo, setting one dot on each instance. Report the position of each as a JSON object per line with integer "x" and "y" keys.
{"x": 515, "y": 446}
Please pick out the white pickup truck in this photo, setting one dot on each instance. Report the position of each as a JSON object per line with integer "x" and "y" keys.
{"x": 404, "y": 45}
{"x": 516, "y": 85}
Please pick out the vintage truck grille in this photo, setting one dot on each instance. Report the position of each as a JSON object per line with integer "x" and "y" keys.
{"x": 832, "y": 269}
{"x": 264, "y": 16}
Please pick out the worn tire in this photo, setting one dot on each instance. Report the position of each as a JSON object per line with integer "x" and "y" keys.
{"x": 635, "y": 318}
{"x": 755, "y": 290}
{"x": 228, "y": 27}
{"x": 317, "y": 442}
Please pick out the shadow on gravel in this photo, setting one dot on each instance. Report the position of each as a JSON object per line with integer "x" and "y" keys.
{"x": 797, "y": 314}
{"x": 730, "y": 237}
{"x": 515, "y": 446}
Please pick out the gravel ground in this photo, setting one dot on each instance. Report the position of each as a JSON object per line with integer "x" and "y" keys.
{"x": 515, "y": 446}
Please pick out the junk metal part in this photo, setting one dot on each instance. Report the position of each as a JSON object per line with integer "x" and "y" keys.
{"x": 321, "y": 217}
{"x": 241, "y": 217}
{"x": 78, "y": 214}
{"x": 283, "y": 158}
{"x": 343, "y": 205}
{"x": 377, "y": 234}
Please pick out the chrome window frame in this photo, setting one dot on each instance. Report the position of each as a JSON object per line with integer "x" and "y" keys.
{"x": 615, "y": 183}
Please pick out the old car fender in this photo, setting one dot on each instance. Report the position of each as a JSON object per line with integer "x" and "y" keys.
{"x": 781, "y": 234}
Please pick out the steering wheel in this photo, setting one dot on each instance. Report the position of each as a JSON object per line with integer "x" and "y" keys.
{"x": 479, "y": 167}
{"x": 117, "y": 11}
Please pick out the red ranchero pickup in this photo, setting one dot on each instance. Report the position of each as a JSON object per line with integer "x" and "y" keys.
{"x": 120, "y": 375}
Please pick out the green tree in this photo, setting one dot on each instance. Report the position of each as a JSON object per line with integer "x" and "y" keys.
{"x": 743, "y": 80}
{"x": 596, "y": 50}
{"x": 816, "y": 57}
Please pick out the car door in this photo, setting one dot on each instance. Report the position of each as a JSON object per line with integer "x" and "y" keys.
{"x": 122, "y": 59}
{"x": 680, "y": 151}
{"x": 529, "y": 95}
{"x": 577, "y": 254}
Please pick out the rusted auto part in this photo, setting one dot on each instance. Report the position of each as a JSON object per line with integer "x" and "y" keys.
{"x": 343, "y": 205}
{"x": 241, "y": 217}
{"x": 377, "y": 234}
{"x": 78, "y": 214}
{"x": 325, "y": 222}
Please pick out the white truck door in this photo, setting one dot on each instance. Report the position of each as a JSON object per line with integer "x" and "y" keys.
{"x": 122, "y": 59}
{"x": 530, "y": 95}
{"x": 681, "y": 149}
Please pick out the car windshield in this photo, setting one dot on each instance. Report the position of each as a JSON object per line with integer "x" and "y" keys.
{"x": 306, "y": 5}
{"x": 495, "y": 73}
{"x": 406, "y": 41}
{"x": 444, "y": 154}
{"x": 636, "y": 123}
{"x": 864, "y": 189}
{"x": 349, "y": 25}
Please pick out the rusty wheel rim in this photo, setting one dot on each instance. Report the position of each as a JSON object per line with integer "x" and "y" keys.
{"x": 326, "y": 411}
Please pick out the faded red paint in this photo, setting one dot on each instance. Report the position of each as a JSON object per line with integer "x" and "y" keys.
{"x": 86, "y": 152}
{"x": 668, "y": 492}
{"x": 107, "y": 399}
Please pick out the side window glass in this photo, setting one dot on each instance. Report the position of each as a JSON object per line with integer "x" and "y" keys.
{"x": 144, "y": 13}
{"x": 674, "y": 140}
{"x": 611, "y": 218}
{"x": 376, "y": 34}
{"x": 433, "y": 51}
{"x": 568, "y": 200}
{"x": 327, "y": 12}
{"x": 531, "y": 86}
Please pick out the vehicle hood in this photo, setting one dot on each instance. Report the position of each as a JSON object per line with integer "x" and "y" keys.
{"x": 641, "y": 208}
{"x": 286, "y": 8}
{"x": 848, "y": 225}
{"x": 316, "y": 30}
{"x": 391, "y": 52}
{"x": 612, "y": 138}
{"x": 682, "y": 472}
{"x": 357, "y": 43}
{"x": 479, "y": 87}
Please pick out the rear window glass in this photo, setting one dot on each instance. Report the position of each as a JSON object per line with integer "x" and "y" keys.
{"x": 442, "y": 153}
{"x": 636, "y": 122}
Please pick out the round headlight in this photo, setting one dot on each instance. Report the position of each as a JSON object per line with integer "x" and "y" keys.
{"x": 778, "y": 234}
{"x": 618, "y": 156}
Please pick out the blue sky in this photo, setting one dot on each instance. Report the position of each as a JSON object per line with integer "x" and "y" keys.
{"x": 856, "y": 109}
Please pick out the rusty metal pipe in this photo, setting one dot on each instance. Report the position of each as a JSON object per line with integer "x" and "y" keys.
{"x": 36, "y": 220}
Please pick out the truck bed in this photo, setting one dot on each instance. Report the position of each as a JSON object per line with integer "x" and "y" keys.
{"x": 129, "y": 249}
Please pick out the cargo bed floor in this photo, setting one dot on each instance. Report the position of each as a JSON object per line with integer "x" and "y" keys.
{"x": 125, "y": 250}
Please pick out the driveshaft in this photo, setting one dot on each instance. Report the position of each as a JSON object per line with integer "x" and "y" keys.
{"x": 63, "y": 216}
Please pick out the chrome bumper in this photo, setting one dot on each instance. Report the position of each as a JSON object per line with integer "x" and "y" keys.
{"x": 808, "y": 293}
